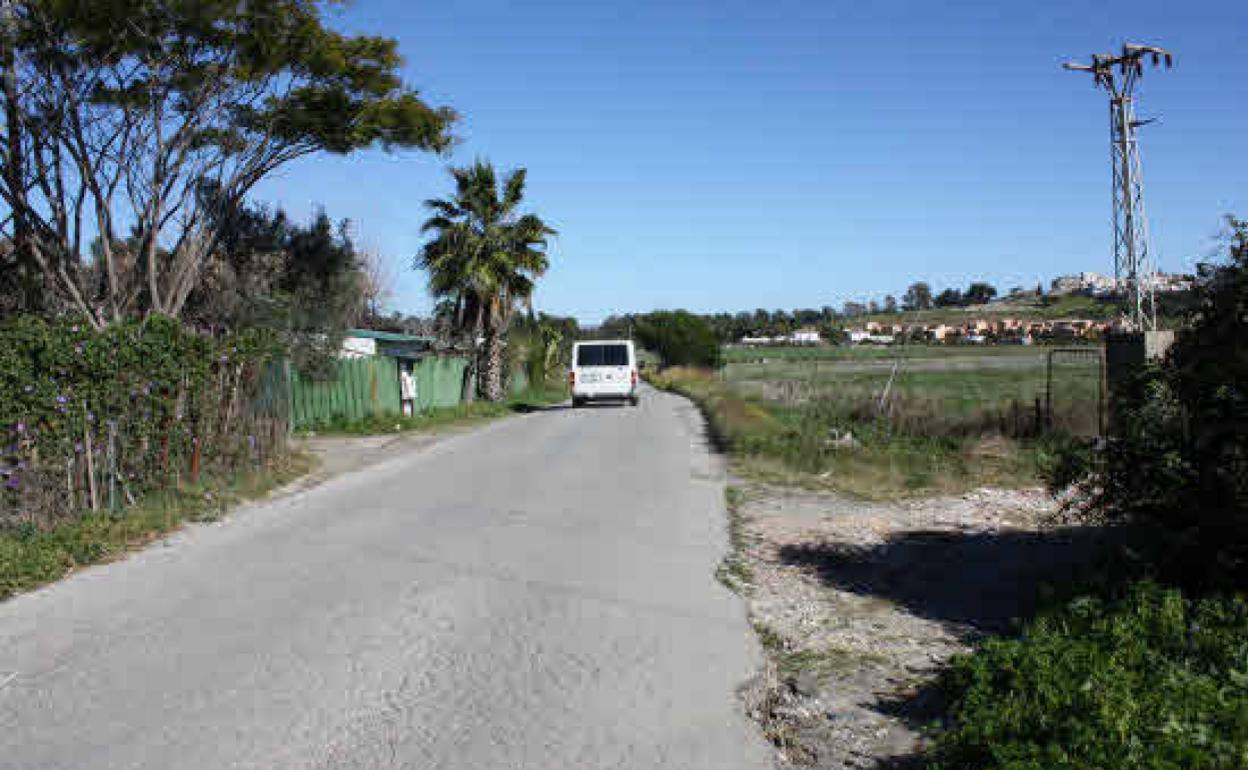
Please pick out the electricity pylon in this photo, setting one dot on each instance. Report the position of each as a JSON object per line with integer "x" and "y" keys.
{"x": 1133, "y": 263}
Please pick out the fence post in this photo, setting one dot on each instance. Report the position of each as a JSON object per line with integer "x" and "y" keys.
{"x": 112, "y": 466}
{"x": 86, "y": 441}
{"x": 290, "y": 397}
{"x": 1048, "y": 391}
{"x": 1102, "y": 394}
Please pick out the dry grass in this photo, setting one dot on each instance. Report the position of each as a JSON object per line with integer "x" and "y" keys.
{"x": 915, "y": 448}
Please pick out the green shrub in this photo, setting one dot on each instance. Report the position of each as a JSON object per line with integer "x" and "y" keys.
{"x": 679, "y": 337}
{"x": 1177, "y": 460}
{"x": 145, "y": 395}
{"x": 1151, "y": 681}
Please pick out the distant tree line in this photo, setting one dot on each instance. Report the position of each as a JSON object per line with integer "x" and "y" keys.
{"x": 827, "y": 320}
{"x": 919, "y": 296}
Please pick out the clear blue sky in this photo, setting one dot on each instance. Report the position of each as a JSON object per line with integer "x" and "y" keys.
{"x": 726, "y": 155}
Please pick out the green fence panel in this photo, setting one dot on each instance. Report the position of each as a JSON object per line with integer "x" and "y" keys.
{"x": 519, "y": 381}
{"x": 439, "y": 381}
{"x": 361, "y": 387}
{"x": 449, "y": 385}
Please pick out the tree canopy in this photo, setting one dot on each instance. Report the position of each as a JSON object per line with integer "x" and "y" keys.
{"x": 679, "y": 337}
{"x": 484, "y": 256}
{"x": 130, "y": 124}
{"x": 917, "y": 297}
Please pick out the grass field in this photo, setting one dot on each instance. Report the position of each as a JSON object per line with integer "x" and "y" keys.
{"x": 836, "y": 443}
{"x": 956, "y": 381}
{"x": 735, "y": 354}
{"x": 947, "y": 420}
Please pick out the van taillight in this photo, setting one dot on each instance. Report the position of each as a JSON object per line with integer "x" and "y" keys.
{"x": 633, "y": 376}
{"x": 571, "y": 379}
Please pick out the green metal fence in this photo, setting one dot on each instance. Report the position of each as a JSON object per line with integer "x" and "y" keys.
{"x": 439, "y": 381}
{"x": 367, "y": 387}
{"x": 518, "y": 382}
{"x": 362, "y": 387}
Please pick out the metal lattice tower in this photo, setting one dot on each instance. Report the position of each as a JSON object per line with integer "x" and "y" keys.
{"x": 1133, "y": 263}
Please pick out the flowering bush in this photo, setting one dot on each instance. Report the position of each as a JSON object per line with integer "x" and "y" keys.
{"x": 123, "y": 410}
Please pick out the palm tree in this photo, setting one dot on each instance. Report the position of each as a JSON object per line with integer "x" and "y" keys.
{"x": 484, "y": 257}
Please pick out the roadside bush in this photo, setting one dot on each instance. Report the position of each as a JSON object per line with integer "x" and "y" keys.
{"x": 679, "y": 337}
{"x": 1152, "y": 681}
{"x": 88, "y": 418}
{"x": 1177, "y": 462}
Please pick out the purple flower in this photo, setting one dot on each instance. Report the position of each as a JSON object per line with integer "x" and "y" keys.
{"x": 74, "y": 328}
{"x": 20, "y": 427}
{"x": 90, "y": 417}
{"x": 61, "y": 399}
{"x": 12, "y": 482}
{"x": 78, "y": 447}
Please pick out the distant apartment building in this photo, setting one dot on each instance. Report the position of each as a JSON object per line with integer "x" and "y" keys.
{"x": 1084, "y": 283}
{"x": 1166, "y": 282}
{"x": 1097, "y": 285}
{"x": 979, "y": 331}
{"x": 799, "y": 337}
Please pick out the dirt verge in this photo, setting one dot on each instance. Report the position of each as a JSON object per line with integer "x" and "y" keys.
{"x": 860, "y": 606}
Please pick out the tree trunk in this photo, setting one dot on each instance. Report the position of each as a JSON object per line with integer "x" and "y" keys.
{"x": 15, "y": 176}
{"x": 495, "y": 341}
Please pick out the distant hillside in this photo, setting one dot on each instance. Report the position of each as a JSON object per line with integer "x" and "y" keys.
{"x": 1068, "y": 306}
{"x": 1171, "y": 306}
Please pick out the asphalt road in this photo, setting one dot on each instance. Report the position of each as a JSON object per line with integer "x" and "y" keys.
{"x": 535, "y": 594}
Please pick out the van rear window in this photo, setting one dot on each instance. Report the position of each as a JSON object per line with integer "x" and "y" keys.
{"x": 602, "y": 355}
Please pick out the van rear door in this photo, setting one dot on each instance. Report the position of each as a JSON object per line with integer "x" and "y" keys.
{"x": 603, "y": 364}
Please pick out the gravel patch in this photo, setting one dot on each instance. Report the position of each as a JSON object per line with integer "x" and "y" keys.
{"x": 861, "y": 605}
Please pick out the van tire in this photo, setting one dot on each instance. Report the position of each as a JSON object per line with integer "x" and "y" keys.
{"x": 577, "y": 403}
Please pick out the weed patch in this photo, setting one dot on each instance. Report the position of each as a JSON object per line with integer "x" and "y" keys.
{"x": 734, "y": 570}
{"x": 1152, "y": 680}
{"x": 31, "y": 556}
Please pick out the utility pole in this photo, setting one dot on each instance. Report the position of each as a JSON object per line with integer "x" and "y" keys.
{"x": 1133, "y": 263}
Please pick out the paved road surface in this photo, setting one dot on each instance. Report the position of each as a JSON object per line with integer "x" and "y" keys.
{"x": 535, "y": 594}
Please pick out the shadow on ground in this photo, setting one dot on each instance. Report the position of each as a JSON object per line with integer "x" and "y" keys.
{"x": 530, "y": 408}
{"x": 979, "y": 583}
{"x": 982, "y": 580}
{"x": 567, "y": 407}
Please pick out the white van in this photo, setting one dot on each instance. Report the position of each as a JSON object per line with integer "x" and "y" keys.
{"x": 602, "y": 370}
